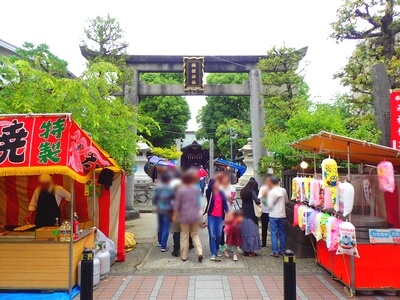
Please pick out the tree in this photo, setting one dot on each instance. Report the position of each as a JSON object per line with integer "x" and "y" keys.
{"x": 286, "y": 95}
{"x": 286, "y": 90}
{"x": 27, "y": 87}
{"x": 318, "y": 117}
{"x": 375, "y": 25}
{"x": 240, "y": 128}
{"x": 220, "y": 109}
{"x": 171, "y": 113}
{"x": 104, "y": 37}
{"x": 365, "y": 19}
{"x": 104, "y": 41}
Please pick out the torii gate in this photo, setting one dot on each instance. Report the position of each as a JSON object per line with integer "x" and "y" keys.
{"x": 208, "y": 64}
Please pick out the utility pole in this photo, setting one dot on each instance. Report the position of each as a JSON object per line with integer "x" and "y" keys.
{"x": 211, "y": 170}
{"x": 230, "y": 137}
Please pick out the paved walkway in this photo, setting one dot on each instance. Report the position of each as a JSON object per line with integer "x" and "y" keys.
{"x": 213, "y": 287}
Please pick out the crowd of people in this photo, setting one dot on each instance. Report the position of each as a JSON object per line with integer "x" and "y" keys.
{"x": 179, "y": 202}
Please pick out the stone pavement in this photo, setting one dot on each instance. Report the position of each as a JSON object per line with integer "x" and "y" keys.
{"x": 147, "y": 258}
{"x": 218, "y": 287}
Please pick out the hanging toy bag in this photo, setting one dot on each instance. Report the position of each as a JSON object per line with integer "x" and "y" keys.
{"x": 312, "y": 193}
{"x": 386, "y": 176}
{"x": 346, "y": 197}
{"x": 318, "y": 231}
{"x": 296, "y": 214}
{"x": 347, "y": 240}
{"x": 330, "y": 173}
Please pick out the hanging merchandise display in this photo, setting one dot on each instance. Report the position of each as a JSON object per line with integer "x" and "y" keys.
{"x": 347, "y": 240}
{"x": 312, "y": 192}
{"x": 294, "y": 188}
{"x": 307, "y": 182}
{"x": 300, "y": 216}
{"x": 299, "y": 184}
{"x": 318, "y": 231}
{"x": 317, "y": 192}
{"x": 386, "y": 176}
{"x": 346, "y": 197}
{"x": 307, "y": 213}
{"x": 296, "y": 214}
{"x": 312, "y": 221}
{"x": 328, "y": 191}
{"x": 329, "y": 229}
{"x": 324, "y": 220}
{"x": 334, "y": 244}
{"x": 330, "y": 174}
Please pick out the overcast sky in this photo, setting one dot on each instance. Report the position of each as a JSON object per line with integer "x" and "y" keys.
{"x": 206, "y": 27}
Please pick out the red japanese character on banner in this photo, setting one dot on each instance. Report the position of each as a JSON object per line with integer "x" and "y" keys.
{"x": 395, "y": 119}
{"x": 84, "y": 156}
{"x": 13, "y": 142}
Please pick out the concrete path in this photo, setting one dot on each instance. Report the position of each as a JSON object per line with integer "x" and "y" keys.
{"x": 218, "y": 287}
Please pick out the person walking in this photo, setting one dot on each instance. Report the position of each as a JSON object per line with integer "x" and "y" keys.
{"x": 187, "y": 212}
{"x": 162, "y": 200}
{"x": 215, "y": 210}
{"x": 277, "y": 197}
{"x": 249, "y": 230}
{"x": 229, "y": 191}
{"x": 262, "y": 195}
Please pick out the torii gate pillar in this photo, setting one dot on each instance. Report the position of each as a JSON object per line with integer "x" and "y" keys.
{"x": 257, "y": 117}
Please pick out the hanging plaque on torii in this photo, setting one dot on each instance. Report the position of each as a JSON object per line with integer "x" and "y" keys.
{"x": 193, "y": 72}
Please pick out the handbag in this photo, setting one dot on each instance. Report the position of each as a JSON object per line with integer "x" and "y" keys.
{"x": 258, "y": 209}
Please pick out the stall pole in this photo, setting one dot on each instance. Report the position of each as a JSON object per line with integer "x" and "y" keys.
{"x": 71, "y": 242}
{"x": 315, "y": 164}
{"x": 94, "y": 198}
{"x": 352, "y": 273}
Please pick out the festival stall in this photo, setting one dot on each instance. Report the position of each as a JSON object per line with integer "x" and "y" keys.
{"x": 53, "y": 144}
{"x": 355, "y": 219}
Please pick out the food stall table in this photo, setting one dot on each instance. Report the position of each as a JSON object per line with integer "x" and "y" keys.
{"x": 27, "y": 263}
{"x": 53, "y": 144}
{"x": 377, "y": 267}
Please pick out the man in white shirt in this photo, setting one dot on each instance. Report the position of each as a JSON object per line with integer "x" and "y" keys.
{"x": 277, "y": 197}
{"x": 263, "y": 195}
{"x": 48, "y": 201}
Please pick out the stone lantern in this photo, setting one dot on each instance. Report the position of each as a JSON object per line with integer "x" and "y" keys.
{"x": 247, "y": 151}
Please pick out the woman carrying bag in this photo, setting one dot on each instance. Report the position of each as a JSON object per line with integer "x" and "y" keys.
{"x": 250, "y": 207}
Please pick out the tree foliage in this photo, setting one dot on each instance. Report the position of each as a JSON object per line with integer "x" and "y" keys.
{"x": 171, "y": 153}
{"x": 286, "y": 90}
{"x": 104, "y": 37}
{"x": 171, "y": 113}
{"x": 104, "y": 41}
{"x": 220, "y": 109}
{"x": 241, "y": 128}
{"x": 28, "y": 87}
{"x": 365, "y": 19}
{"x": 374, "y": 24}
{"x": 286, "y": 95}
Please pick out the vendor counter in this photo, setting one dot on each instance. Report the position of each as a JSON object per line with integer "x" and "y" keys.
{"x": 27, "y": 263}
